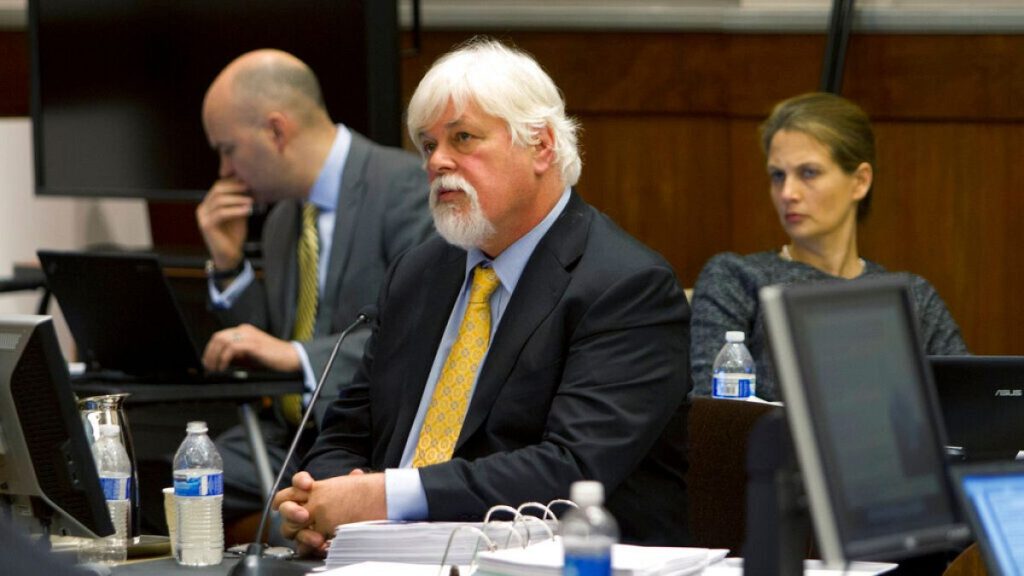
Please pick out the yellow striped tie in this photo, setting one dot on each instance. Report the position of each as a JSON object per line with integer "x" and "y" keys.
{"x": 447, "y": 409}
{"x": 309, "y": 291}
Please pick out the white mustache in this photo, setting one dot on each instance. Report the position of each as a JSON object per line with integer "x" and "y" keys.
{"x": 451, "y": 182}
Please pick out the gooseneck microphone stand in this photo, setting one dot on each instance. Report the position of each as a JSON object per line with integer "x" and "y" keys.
{"x": 254, "y": 563}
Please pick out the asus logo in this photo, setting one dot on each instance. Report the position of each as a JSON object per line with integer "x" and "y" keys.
{"x": 1004, "y": 392}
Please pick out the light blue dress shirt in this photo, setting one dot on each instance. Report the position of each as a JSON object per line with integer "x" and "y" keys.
{"x": 324, "y": 194}
{"x": 406, "y": 499}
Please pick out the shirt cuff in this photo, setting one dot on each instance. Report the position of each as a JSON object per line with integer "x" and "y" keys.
{"x": 406, "y": 499}
{"x": 308, "y": 378}
{"x": 227, "y": 298}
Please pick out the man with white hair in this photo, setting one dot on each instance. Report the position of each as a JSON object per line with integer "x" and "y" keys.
{"x": 536, "y": 344}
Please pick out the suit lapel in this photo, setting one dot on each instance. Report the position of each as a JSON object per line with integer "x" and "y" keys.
{"x": 351, "y": 193}
{"x": 540, "y": 288}
{"x": 429, "y": 313}
{"x": 282, "y": 255}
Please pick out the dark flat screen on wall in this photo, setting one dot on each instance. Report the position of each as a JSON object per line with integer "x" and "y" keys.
{"x": 117, "y": 85}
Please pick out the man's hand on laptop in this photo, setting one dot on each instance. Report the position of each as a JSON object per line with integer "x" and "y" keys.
{"x": 248, "y": 345}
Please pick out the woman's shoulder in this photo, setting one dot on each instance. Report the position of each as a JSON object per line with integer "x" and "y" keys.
{"x": 921, "y": 290}
{"x": 739, "y": 263}
{"x": 916, "y": 281}
{"x": 729, "y": 272}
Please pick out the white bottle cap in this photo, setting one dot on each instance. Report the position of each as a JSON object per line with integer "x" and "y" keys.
{"x": 734, "y": 336}
{"x": 109, "y": 430}
{"x": 587, "y": 493}
{"x": 197, "y": 427}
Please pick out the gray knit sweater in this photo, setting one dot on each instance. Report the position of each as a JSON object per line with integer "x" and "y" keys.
{"x": 725, "y": 298}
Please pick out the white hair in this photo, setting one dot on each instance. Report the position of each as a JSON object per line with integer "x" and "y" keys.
{"x": 505, "y": 83}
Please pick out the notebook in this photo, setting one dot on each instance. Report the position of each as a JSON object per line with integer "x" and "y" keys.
{"x": 982, "y": 402}
{"x": 992, "y": 496}
{"x": 425, "y": 542}
{"x": 125, "y": 320}
{"x": 546, "y": 559}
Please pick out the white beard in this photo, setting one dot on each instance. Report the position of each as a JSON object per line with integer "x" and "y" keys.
{"x": 465, "y": 227}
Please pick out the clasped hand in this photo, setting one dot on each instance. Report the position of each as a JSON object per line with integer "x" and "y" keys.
{"x": 312, "y": 509}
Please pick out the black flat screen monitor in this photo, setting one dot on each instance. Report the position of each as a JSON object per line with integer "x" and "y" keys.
{"x": 863, "y": 417}
{"x": 48, "y": 478}
{"x": 118, "y": 85}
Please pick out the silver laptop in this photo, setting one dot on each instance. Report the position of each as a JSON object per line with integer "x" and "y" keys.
{"x": 992, "y": 496}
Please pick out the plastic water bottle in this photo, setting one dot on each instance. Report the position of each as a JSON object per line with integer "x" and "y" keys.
{"x": 115, "y": 471}
{"x": 734, "y": 375}
{"x": 588, "y": 532}
{"x": 199, "y": 499}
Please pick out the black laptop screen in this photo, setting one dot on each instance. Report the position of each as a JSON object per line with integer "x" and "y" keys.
{"x": 982, "y": 400}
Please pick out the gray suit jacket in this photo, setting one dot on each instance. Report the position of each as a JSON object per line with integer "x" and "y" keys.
{"x": 382, "y": 211}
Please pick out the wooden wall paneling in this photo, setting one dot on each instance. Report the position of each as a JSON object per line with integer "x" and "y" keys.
{"x": 755, "y": 224}
{"x": 174, "y": 228}
{"x": 14, "y": 73}
{"x": 763, "y": 69}
{"x": 937, "y": 77}
{"x": 662, "y": 180}
{"x": 988, "y": 182}
{"x": 635, "y": 72}
{"x": 912, "y": 225}
{"x": 949, "y": 208}
{"x": 611, "y": 72}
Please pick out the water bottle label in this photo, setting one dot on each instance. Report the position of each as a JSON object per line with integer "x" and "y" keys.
{"x": 116, "y": 488}
{"x": 585, "y": 565}
{"x": 201, "y": 485}
{"x": 733, "y": 385}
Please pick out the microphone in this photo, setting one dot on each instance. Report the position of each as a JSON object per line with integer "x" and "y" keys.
{"x": 254, "y": 563}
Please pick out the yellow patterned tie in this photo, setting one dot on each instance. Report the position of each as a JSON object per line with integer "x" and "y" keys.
{"x": 309, "y": 291}
{"x": 443, "y": 421}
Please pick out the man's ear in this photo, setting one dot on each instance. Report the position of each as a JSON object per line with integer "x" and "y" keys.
{"x": 543, "y": 150}
{"x": 280, "y": 127}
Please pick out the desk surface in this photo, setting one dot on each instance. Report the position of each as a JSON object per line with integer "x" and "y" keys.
{"x": 170, "y": 392}
{"x": 167, "y": 566}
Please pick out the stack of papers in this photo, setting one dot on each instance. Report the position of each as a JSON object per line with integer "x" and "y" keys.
{"x": 734, "y": 567}
{"x": 420, "y": 542}
{"x": 545, "y": 559}
{"x": 390, "y": 569}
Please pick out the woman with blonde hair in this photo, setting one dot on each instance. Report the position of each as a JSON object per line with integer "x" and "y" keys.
{"x": 820, "y": 152}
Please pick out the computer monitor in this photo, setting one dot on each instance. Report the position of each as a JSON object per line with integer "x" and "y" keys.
{"x": 48, "y": 478}
{"x": 863, "y": 417}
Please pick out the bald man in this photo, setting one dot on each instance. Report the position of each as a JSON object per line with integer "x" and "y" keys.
{"x": 265, "y": 117}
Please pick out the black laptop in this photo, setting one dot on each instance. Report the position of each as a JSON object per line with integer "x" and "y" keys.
{"x": 982, "y": 401}
{"x": 992, "y": 496}
{"x": 126, "y": 321}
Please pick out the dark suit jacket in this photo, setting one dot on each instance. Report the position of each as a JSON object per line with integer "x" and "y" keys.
{"x": 585, "y": 379}
{"x": 382, "y": 211}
